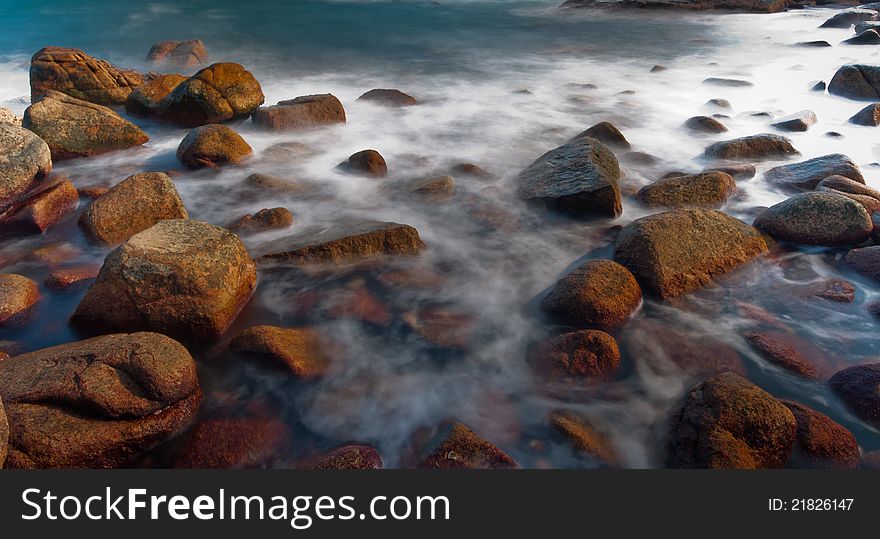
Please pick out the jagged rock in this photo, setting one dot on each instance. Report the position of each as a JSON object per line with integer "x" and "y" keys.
{"x": 75, "y": 73}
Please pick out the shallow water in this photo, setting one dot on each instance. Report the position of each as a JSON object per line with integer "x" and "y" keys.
{"x": 466, "y": 62}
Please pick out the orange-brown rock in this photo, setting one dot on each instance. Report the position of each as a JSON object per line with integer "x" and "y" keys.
{"x": 302, "y": 351}
{"x": 389, "y": 98}
{"x": 233, "y": 442}
{"x": 347, "y": 457}
{"x": 822, "y": 442}
{"x": 859, "y": 388}
{"x": 789, "y": 352}
{"x": 442, "y": 326}
{"x": 4, "y": 430}
{"x": 219, "y": 93}
{"x": 18, "y": 295}
{"x": 189, "y": 53}
{"x": 42, "y": 208}
{"x": 211, "y": 146}
{"x": 365, "y": 163}
{"x": 62, "y": 280}
{"x": 579, "y": 355}
{"x": 303, "y": 112}
{"x": 265, "y": 219}
{"x": 454, "y": 445}
{"x": 25, "y": 161}
{"x": 75, "y": 73}
{"x": 704, "y": 190}
{"x": 148, "y": 98}
{"x": 583, "y": 437}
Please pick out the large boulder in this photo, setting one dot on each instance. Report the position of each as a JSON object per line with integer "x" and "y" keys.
{"x": 134, "y": 204}
{"x": 148, "y": 98}
{"x": 297, "y": 350}
{"x": 849, "y": 17}
{"x": 579, "y": 355}
{"x": 76, "y": 128}
{"x": 211, "y": 146}
{"x": 865, "y": 261}
{"x": 599, "y": 294}
{"x": 219, "y": 93}
{"x": 25, "y": 161}
{"x": 728, "y": 422}
{"x": 303, "y": 112}
{"x": 859, "y": 388}
{"x": 41, "y": 208}
{"x": 580, "y": 178}
{"x": 454, "y": 446}
{"x": 679, "y": 251}
{"x": 708, "y": 189}
{"x": 18, "y": 295}
{"x": 806, "y": 175}
{"x": 822, "y": 442}
{"x": 347, "y": 242}
{"x": 183, "y": 278}
{"x": 75, "y": 73}
{"x": 856, "y": 81}
{"x": 389, "y": 98}
{"x": 189, "y": 53}
{"x": 818, "y": 218}
{"x": 763, "y": 146}
{"x": 97, "y": 403}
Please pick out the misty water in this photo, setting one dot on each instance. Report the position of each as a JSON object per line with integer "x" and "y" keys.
{"x": 500, "y": 83}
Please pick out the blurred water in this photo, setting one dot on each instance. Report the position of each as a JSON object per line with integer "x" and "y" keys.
{"x": 468, "y": 62}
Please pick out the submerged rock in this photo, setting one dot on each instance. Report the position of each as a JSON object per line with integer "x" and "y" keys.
{"x": 579, "y": 355}
{"x": 799, "y": 121}
{"x": 821, "y": 442}
{"x": 607, "y": 134}
{"x": 211, "y": 146}
{"x": 188, "y": 53}
{"x": 865, "y": 261}
{"x": 347, "y": 457}
{"x": 599, "y": 294}
{"x": 131, "y": 206}
{"x": 859, "y": 388}
{"x": 857, "y": 81}
{"x": 679, "y": 251}
{"x": 389, "y": 98}
{"x": 580, "y": 178}
{"x": 807, "y": 174}
{"x": 708, "y": 189}
{"x": 819, "y": 218}
{"x": 230, "y": 442}
{"x": 265, "y": 219}
{"x": 365, "y": 163}
{"x": 64, "y": 280}
{"x": 788, "y": 352}
{"x": 180, "y": 277}
{"x": 441, "y": 186}
{"x": 97, "y": 403}
{"x": 18, "y": 295}
{"x": 584, "y": 438}
{"x": 728, "y": 422}
{"x": 868, "y": 116}
{"x": 705, "y": 124}
{"x": 456, "y": 446}
{"x": 219, "y": 93}
{"x": 75, "y": 73}
{"x": 25, "y": 161}
{"x": 303, "y": 112}
{"x": 347, "y": 242}
{"x": 728, "y": 83}
{"x": 41, "y": 209}
{"x": 297, "y": 350}
{"x": 75, "y": 128}
{"x": 763, "y": 146}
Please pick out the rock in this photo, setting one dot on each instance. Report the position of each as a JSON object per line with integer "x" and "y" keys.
{"x": 297, "y": 350}
{"x": 456, "y": 446}
{"x": 148, "y": 98}
{"x": 75, "y": 128}
{"x": 819, "y": 218}
{"x": 18, "y": 295}
{"x": 728, "y": 83}
{"x": 347, "y": 242}
{"x": 859, "y": 388}
{"x": 817, "y": 44}
{"x": 389, "y": 98}
{"x": 719, "y": 103}
{"x": 865, "y": 261}
{"x": 64, "y": 280}
{"x": 836, "y": 290}
{"x": 267, "y": 182}
{"x": 41, "y": 209}
{"x": 180, "y": 277}
{"x": 821, "y": 442}
{"x": 4, "y": 434}
{"x": 358, "y": 303}
{"x": 92, "y": 191}
{"x": 219, "y": 93}
{"x": 366, "y": 163}
{"x": 265, "y": 219}
{"x": 739, "y": 171}
{"x": 679, "y": 251}
{"x": 288, "y": 152}
{"x": 347, "y": 457}
{"x": 440, "y": 186}
{"x": 787, "y": 352}
{"x": 861, "y": 193}
{"x": 25, "y": 161}
{"x": 607, "y": 134}
{"x": 807, "y": 174}
{"x": 799, "y": 121}
{"x": 188, "y": 53}
{"x": 708, "y": 189}
{"x": 131, "y": 206}
{"x": 233, "y": 442}
{"x": 303, "y": 112}
{"x": 599, "y": 294}
{"x": 212, "y": 146}
{"x": 819, "y": 86}
{"x": 763, "y": 146}
{"x": 867, "y": 25}
{"x": 75, "y": 73}
{"x": 849, "y": 17}
{"x": 728, "y": 422}
{"x": 759, "y": 6}
{"x": 470, "y": 169}
{"x": 442, "y": 326}
{"x": 865, "y": 37}
{"x": 586, "y": 440}
{"x": 658, "y": 68}
{"x": 580, "y": 355}
{"x": 97, "y": 403}
{"x": 705, "y": 124}
{"x": 7, "y": 117}
{"x": 868, "y": 116}
{"x": 857, "y": 81}
{"x": 580, "y": 178}
{"x": 670, "y": 351}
